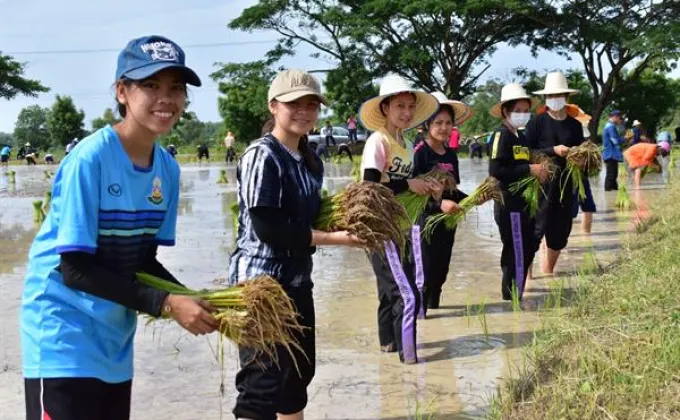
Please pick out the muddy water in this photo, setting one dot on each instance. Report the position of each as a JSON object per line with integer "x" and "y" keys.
{"x": 466, "y": 347}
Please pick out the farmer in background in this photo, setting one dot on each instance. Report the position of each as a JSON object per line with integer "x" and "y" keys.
{"x": 352, "y": 128}
{"x": 203, "y": 152}
{"x": 636, "y": 132}
{"x": 4, "y": 155}
{"x": 476, "y": 150}
{"x": 644, "y": 155}
{"x": 553, "y": 133}
{"x": 327, "y": 132}
{"x": 665, "y": 160}
{"x": 172, "y": 150}
{"x": 612, "y": 141}
{"x": 229, "y": 143}
{"x": 30, "y": 154}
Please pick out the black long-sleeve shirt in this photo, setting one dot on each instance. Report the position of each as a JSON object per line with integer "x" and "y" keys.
{"x": 544, "y": 133}
{"x": 81, "y": 271}
{"x": 509, "y": 163}
{"x": 425, "y": 160}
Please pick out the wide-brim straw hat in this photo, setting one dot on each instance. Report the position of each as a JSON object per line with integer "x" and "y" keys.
{"x": 555, "y": 84}
{"x": 373, "y": 119}
{"x": 636, "y": 123}
{"x": 511, "y": 92}
{"x": 462, "y": 111}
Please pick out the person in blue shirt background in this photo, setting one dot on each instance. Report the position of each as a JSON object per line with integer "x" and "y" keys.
{"x": 611, "y": 140}
{"x": 636, "y": 132}
{"x": 114, "y": 201}
{"x": 4, "y": 155}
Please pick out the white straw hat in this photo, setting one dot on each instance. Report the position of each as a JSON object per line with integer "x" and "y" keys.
{"x": 462, "y": 111}
{"x": 372, "y": 117}
{"x": 555, "y": 83}
{"x": 636, "y": 123}
{"x": 511, "y": 92}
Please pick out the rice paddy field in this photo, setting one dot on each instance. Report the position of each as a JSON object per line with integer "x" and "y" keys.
{"x": 468, "y": 348}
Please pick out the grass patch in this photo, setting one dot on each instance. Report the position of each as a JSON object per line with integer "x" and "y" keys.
{"x": 615, "y": 352}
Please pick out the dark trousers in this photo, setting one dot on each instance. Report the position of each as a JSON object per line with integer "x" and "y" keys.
{"x": 344, "y": 149}
{"x": 399, "y": 304}
{"x": 330, "y": 139}
{"x": 265, "y": 387}
{"x": 203, "y": 154}
{"x": 554, "y": 215}
{"x": 77, "y": 399}
{"x": 612, "y": 167}
{"x": 436, "y": 259}
{"x": 231, "y": 155}
{"x": 516, "y": 229}
{"x": 352, "y": 135}
{"x": 476, "y": 151}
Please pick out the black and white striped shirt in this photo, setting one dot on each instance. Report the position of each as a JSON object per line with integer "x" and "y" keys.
{"x": 270, "y": 175}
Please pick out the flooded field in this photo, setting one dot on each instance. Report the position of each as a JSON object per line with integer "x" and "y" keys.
{"x": 466, "y": 347}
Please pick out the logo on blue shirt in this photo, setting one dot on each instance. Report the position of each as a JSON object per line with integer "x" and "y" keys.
{"x": 115, "y": 190}
{"x": 156, "y": 196}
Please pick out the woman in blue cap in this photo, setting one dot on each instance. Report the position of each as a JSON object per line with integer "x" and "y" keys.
{"x": 114, "y": 201}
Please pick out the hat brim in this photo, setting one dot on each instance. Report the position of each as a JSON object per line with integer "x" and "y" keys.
{"x": 372, "y": 119}
{"x": 149, "y": 70}
{"x": 462, "y": 111}
{"x": 556, "y": 91}
{"x": 496, "y": 110}
{"x": 293, "y": 96}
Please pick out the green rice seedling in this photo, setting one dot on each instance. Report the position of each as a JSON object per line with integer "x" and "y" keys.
{"x": 426, "y": 412}
{"x": 47, "y": 175}
{"x": 516, "y": 307}
{"x": 415, "y": 204}
{"x": 481, "y": 315}
{"x": 47, "y": 202}
{"x": 356, "y": 174}
{"x": 12, "y": 177}
{"x": 623, "y": 201}
{"x": 584, "y": 160}
{"x": 487, "y": 190}
{"x": 223, "y": 177}
{"x": 468, "y": 311}
{"x": 234, "y": 216}
{"x": 38, "y": 214}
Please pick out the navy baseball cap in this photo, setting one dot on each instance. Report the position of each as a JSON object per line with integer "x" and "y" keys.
{"x": 143, "y": 57}
{"x": 615, "y": 113}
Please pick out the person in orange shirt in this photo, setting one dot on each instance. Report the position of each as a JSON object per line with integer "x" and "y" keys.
{"x": 644, "y": 154}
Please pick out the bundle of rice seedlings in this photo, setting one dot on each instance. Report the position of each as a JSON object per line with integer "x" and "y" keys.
{"x": 223, "y": 177}
{"x": 47, "y": 202}
{"x": 48, "y": 175}
{"x": 234, "y": 216}
{"x": 367, "y": 210}
{"x": 529, "y": 186}
{"x": 623, "y": 201}
{"x": 650, "y": 169}
{"x": 356, "y": 171}
{"x": 257, "y": 314}
{"x": 487, "y": 190}
{"x": 12, "y": 177}
{"x": 38, "y": 214}
{"x": 415, "y": 204}
{"x": 585, "y": 159}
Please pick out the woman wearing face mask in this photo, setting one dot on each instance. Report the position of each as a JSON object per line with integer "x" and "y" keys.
{"x": 388, "y": 159}
{"x": 553, "y": 133}
{"x": 434, "y": 153}
{"x": 509, "y": 163}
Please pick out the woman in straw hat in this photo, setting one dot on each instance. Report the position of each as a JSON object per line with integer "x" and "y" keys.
{"x": 553, "y": 133}
{"x": 388, "y": 159}
{"x": 509, "y": 163}
{"x": 279, "y": 196}
{"x": 435, "y": 153}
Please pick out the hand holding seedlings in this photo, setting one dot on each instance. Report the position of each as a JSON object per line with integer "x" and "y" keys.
{"x": 561, "y": 150}
{"x": 192, "y": 313}
{"x": 539, "y": 171}
{"x": 420, "y": 186}
{"x": 450, "y": 207}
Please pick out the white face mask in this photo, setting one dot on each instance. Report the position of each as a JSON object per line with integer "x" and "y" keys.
{"x": 556, "y": 104}
{"x": 519, "y": 119}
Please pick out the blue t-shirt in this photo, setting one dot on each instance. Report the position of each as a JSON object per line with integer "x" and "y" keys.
{"x": 104, "y": 205}
{"x": 611, "y": 140}
{"x": 4, "y": 151}
{"x": 269, "y": 175}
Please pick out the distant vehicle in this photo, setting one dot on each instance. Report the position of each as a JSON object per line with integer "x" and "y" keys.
{"x": 341, "y": 135}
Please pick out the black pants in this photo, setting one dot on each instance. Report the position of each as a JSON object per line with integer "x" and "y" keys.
{"x": 436, "y": 259}
{"x": 399, "y": 305}
{"x": 516, "y": 229}
{"x": 330, "y": 139}
{"x": 554, "y": 215}
{"x": 476, "y": 152}
{"x": 612, "y": 166}
{"x": 231, "y": 155}
{"x": 265, "y": 388}
{"x": 203, "y": 154}
{"x": 352, "y": 135}
{"x": 77, "y": 399}
{"x": 344, "y": 149}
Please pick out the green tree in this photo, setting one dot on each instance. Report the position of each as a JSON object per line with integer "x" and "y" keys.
{"x": 486, "y": 96}
{"x": 347, "y": 86}
{"x": 31, "y": 127}
{"x": 436, "y": 44}
{"x": 108, "y": 118}
{"x": 12, "y": 82}
{"x": 244, "y": 87}
{"x": 653, "y": 100}
{"x": 64, "y": 121}
{"x": 7, "y": 139}
{"x": 616, "y": 40}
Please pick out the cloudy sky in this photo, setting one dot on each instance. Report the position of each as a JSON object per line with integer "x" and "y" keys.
{"x": 71, "y": 46}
